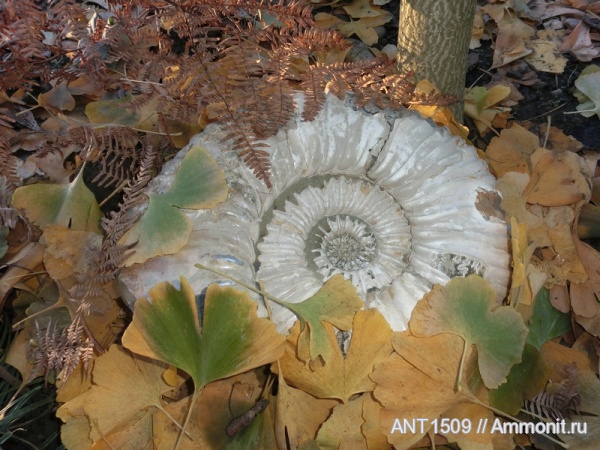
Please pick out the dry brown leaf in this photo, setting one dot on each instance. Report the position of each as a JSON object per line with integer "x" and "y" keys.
{"x": 511, "y": 151}
{"x": 57, "y": 99}
{"x": 341, "y": 377}
{"x": 557, "y": 179}
{"x": 558, "y": 357}
{"x": 371, "y": 429}
{"x": 559, "y": 298}
{"x": 513, "y": 33}
{"x": 363, "y": 8}
{"x": 65, "y": 253}
{"x": 579, "y": 43}
{"x": 584, "y": 296}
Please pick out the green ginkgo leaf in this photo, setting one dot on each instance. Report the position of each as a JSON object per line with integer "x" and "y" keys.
{"x": 71, "y": 205}
{"x": 335, "y": 303}
{"x": 232, "y": 339}
{"x": 164, "y": 229}
{"x": 524, "y": 381}
{"x": 546, "y": 321}
{"x": 465, "y": 307}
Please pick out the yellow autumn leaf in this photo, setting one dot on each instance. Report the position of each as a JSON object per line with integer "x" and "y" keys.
{"x": 418, "y": 382}
{"x": 126, "y": 390}
{"x": 480, "y": 105}
{"x": 299, "y": 415}
{"x": 340, "y": 377}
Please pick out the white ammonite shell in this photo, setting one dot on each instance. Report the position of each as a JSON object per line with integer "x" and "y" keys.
{"x": 390, "y": 201}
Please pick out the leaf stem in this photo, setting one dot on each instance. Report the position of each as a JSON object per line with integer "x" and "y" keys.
{"x": 247, "y": 286}
{"x": 187, "y": 419}
{"x": 461, "y": 367}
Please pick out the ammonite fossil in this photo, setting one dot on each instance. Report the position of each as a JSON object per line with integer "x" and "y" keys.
{"x": 386, "y": 199}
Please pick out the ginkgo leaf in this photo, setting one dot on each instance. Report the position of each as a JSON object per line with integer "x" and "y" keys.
{"x": 215, "y": 407}
{"x": 232, "y": 339}
{"x": 335, "y": 303}
{"x": 163, "y": 229}
{"x": 58, "y": 98}
{"x": 464, "y": 307}
{"x": 524, "y": 381}
{"x": 120, "y": 111}
{"x": 418, "y": 383}
{"x": 342, "y": 429}
{"x": 588, "y": 91}
{"x": 298, "y": 415}
{"x": 340, "y": 377}
{"x": 124, "y": 388}
{"x": 72, "y": 205}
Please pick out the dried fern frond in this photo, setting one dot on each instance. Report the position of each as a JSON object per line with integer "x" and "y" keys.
{"x": 56, "y": 352}
{"x": 562, "y": 403}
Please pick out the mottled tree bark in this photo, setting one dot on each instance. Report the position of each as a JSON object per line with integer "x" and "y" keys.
{"x": 433, "y": 42}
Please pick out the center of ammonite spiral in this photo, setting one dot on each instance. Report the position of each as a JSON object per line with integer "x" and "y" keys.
{"x": 348, "y": 245}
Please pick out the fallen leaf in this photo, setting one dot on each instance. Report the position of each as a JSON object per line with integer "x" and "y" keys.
{"x": 579, "y": 43}
{"x": 524, "y": 381}
{"x": 512, "y": 35}
{"x": 527, "y": 280}
{"x": 65, "y": 253}
{"x": 584, "y": 296}
{"x": 546, "y": 321}
{"x": 342, "y": 429}
{"x": 163, "y": 229}
{"x": 340, "y": 377}
{"x": 557, "y": 179}
{"x": 299, "y": 415}
{"x": 363, "y": 27}
{"x": 545, "y": 56}
{"x": 335, "y": 303}
{"x": 58, "y": 98}
{"x": 464, "y": 307}
{"x": 216, "y": 406}
{"x": 479, "y": 105}
{"x": 417, "y": 384}
{"x": 125, "y": 390}
{"x": 511, "y": 151}
{"x": 71, "y": 205}
{"x": 170, "y": 327}
{"x": 589, "y": 86}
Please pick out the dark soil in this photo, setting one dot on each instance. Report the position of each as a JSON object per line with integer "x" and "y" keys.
{"x": 551, "y": 96}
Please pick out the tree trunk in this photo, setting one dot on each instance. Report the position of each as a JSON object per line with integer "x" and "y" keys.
{"x": 433, "y": 42}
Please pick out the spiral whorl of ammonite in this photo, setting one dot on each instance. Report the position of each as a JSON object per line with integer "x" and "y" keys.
{"x": 388, "y": 200}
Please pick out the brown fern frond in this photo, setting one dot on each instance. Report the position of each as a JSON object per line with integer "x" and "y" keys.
{"x": 114, "y": 149}
{"x": 251, "y": 150}
{"x": 559, "y": 404}
{"x": 8, "y": 166}
{"x": 54, "y": 351}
